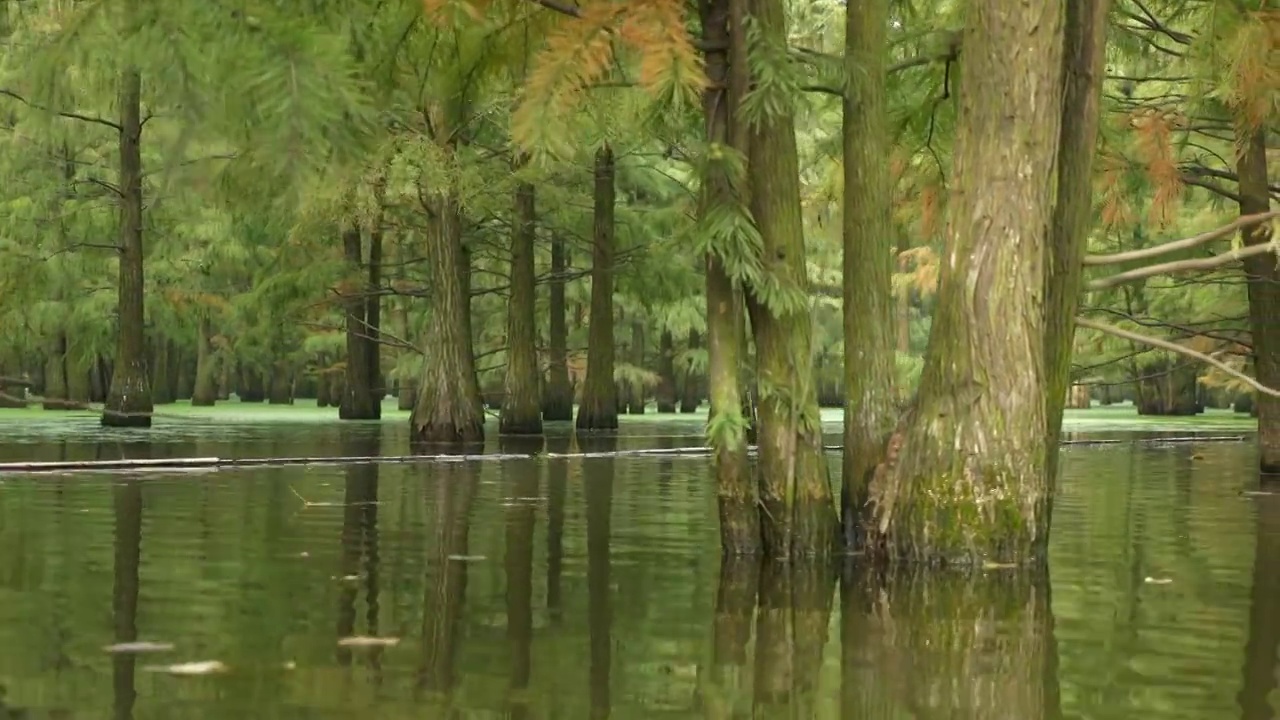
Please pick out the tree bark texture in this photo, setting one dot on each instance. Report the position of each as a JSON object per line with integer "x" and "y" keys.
{"x": 870, "y": 367}
{"x": 359, "y": 401}
{"x": 56, "y": 382}
{"x": 964, "y": 477}
{"x": 736, "y": 492}
{"x": 128, "y": 402}
{"x": 799, "y": 515}
{"x": 1083, "y": 69}
{"x": 599, "y": 406}
{"x": 448, "y": 408}
{"x": 521, "y": 412}
{"x": 1264, "y": 295}
{"x": 161, "y": 388}
{"x": 558, "y": 401}
{"x": 666, "y": 393}
{"x": 205, "y": 392}
{"x": 636, "y": 397}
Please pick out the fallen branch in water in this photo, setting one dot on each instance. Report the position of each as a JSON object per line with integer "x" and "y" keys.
{"x": 1176, "y": 348}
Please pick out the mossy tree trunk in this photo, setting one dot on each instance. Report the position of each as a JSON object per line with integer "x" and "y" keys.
{"x": 636, "y": 395}
{"x": 360, "y": 400}
{"x": 448, "y": 408}
{"x": 1083, "y": 68}
{"x": 161, "y": 388}
{"x": 128, "y": 402}
{"x": 1167, "y": 387}
{"x": 557, "y": 403}
{"x": 521, "y": 412}
{"x": 870, "y": 369}
{"x": 281, "y": 388}
{"x": 799, "y": 517}
{"x": 1264, "y": 293}
{"x": 691, "y": 390}
{"x": 56, "y": 383}
{"x": 598, "y": 409}
{"x": 205, "y": 391}
{"x": 666, "y": 393}
{"x": 964, "y": 479}
{"x": 251, "y": 385}
{"x": 723, "y": 194}
{"x": 469, "y": 338}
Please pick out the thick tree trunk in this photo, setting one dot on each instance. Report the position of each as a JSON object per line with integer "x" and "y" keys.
{"x": 1264, "y": 294}
{"x": 128, "y": 402}
{"x": 799, "y": 517}
{"x": 56, "y": 384}
{"x": 598, "y": 409}
{"x": 1083, "y": 68}
{"x": 280, "y": 391}
{"x": 359, "y": 399}
{"x": 251, "y": 387}
{"x": 521, "y": 412}
{"x": 557, "y": 403}
{"x": 205, "y": 391}
{"x": 11, "y": 396}
{"x": 964, "y": 480}
{"x": 691, "y": 390}
{"x": 161, "y": 388}
{"x": 636, "y": 395}
{"x": 952, "y": 644}
{"x": 723, "y": 192}
{"x": 666, "y": 394}
{"x": 1168, "y": 387}
{"x": 469, "y": 338}
{"x": 448, "y": 408}
{"x": 870, "y": 370}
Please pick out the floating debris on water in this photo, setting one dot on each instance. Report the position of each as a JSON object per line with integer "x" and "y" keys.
{"x": 366, "y": 641}
{"x": 1159, "y": 581}
{"x": 201, "y": 667}
{"x": 141, "y": 646}
{"x": 467, "y": 558}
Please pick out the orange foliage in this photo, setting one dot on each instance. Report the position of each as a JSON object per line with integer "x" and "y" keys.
{"x": 1115, "y": 208}
{"x": 1255, "y": 70}
{"x": 1155, "y": 142}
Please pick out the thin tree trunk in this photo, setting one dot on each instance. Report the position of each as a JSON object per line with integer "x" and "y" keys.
{"x": 358, "y": 399}
{"x": 373, "y": 307}
{"x": 666, "y": 394}
{"x": 599, "y": 407}
{"x": 464, "y": 277}
{"x": 448, "y": 407}
{"x": 799, "y": 515}
{"x": 636, "y": 395}
{"x": 280, "y": 391}
{"x": 324, "y": 387}
{"x": 737, "y": 500}
{"x": 691, "y": 391}
{"x": 964, "y": 480}
{"x": 205, "y": 392}
{"x": 1264, "y": 295}
{"x": 251, "y": 387}
{"x": 558, "y": 401}
{"x": 128, "y": 402}
{"x": 407, "y": 386}
{"x": 160, "y": 386}
{"x": 56, "y": 385}
{"x": 521, "y": 412}
{"x": 870, "y": 370}
{"x": 1083, "y": 68}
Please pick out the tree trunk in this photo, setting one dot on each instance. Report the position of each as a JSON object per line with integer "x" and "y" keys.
{"x": 280, "y": 391}
{"x": 406, "y": 386}
{"x": 324, "y": 388}
{"x": 205, "y": 392}
{"x": 373, "y": 310}
{"x": 252, "y": 388}
{"x": 870, "y": 371}
{"x": 1083, "y": 69}
{"x": 521, "y": 412}
{"x": 723, "y": 192}
{"x": 798, "y": 508}
{"x": 1264, "y": 293}
{"x": 448, "y": 408}
{"x": 666, "y": 394}
{"x": 557, "y": 404}
{"x": 690, "y": 391}
{"x": 128, "y": 402}
{"x": 468, "y": 338}
{"x": 1168, "y": 387}
{"x": 359, "y": 399}
{"x": 636, "y": 395}
{"x": 964, "y": 479}
{"x": 599, "y": 407}
{"x": 56, "y": 384}
{"x": 161, "y": 388}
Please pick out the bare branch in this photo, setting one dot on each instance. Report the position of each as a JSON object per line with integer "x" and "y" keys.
{"x": 1175, "y": 245}
{"x": 1176, "y": 348}
{"x": 1177, "y": 266}
{"x": 70, "y": 115}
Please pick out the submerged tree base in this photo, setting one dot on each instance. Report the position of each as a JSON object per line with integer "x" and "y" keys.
{"x": 129, "y": 400}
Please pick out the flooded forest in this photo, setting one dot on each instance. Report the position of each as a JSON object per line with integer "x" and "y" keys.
{"x": 556, "y": 358}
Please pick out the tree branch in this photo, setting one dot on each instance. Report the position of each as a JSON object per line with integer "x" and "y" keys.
{"x": 1175, "y": 245}
{"x": 70, "y": 115}
{"x": 1177, "y": 266}
{"x": 1178, "y": 349}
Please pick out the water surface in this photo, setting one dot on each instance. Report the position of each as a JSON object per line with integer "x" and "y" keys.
{"x": 592, "y": 587}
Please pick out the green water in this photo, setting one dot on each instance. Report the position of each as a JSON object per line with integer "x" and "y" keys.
{"x": 592, "y": 587}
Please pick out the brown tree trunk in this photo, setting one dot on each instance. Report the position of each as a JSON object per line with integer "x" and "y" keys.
{"x": 636, "y": 395}
{"x": 598, "y": 409}
{"x": 799, "y": 515}
{"x": 557, "y": 404}
{"x": 324, "y": 388}
{"x": 128, "y": 402}
{"x": 964, "y": 480}
{"x": 161, "y": 388}
{"x": 280, "y": 391}
{"x": 724, "y": 192}
{"x": 448, "y": 407}
{"x": 468, "y": 338}
{"x": 666, "y": 394}
{"x": 521, "y": 412}
{"x": 1264, "y": 293}
{"x": 691, "y": 390}
{"x": 359, "y": 399}
{"x": 56, "y": 384}
{"x": 205, "y": 391}
{"x": 251, "y": 387}
{"x": 870, "y": 371}
{"x": 1083, "y": 69}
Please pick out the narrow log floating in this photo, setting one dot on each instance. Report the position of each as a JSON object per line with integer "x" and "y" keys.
{"x": 214, "y": 463}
